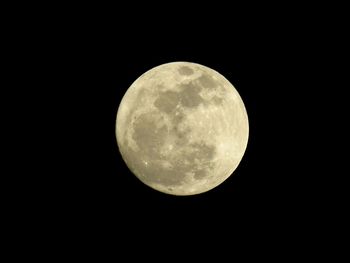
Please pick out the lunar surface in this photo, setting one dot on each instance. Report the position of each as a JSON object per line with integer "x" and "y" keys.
{"x": 182, "y": 128}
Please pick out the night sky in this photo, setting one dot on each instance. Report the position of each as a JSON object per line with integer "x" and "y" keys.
{"x": 89, "y": 61}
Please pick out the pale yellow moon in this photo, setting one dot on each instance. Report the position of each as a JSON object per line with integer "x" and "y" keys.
{"x": 182, "y": 128}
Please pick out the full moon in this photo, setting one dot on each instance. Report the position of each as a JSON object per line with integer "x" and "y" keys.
{"x": 182, "y": 128}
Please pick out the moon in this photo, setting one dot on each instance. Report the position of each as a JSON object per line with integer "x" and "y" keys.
{"x": 182, "y": 128}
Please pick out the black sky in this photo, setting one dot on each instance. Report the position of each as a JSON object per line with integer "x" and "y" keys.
{"x": 103, "y": 63}
{"x": 88, "y": 62}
